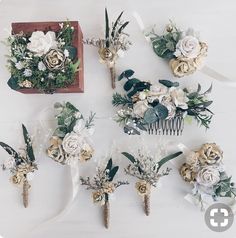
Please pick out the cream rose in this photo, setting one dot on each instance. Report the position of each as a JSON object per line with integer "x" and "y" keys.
{"x": 143, "y": 188}
{"x": 210, "y": 154}
{"x": 98, "y": 197}
{"x": 208, "y": 176}
{"x": 188, "y": 46}
{"x": 86, "y": 152}
{"x": 41, "y": 43}
{"x": 182, "y": 67}
{"x": 166, "y": 101}
{"x": 54, "y": 60}
{"x": 140, "y": 108}
{"x": 72, "y": 143}
{"x": 179, "y": 97}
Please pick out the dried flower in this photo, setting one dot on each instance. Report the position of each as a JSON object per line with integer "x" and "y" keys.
{"x": 26, "y": 84}
{"x": 143, "y": 187}
{"x": 54, "y": 60}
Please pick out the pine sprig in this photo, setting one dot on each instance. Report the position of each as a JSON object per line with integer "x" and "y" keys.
{"x": 118, "y": 99}
{"x": 90, "y": 121}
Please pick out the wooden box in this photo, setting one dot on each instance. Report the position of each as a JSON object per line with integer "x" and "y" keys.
{"x": 29, "y": 27}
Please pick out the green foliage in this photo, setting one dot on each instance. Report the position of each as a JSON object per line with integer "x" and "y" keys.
{"x": 28, "y": 143}
{"x": 111, "y": 170}
{"x": 164, "y": 46}
{"x": 133, "y": 160}
{"x": 10, "y": 151}
{"x": 126, "y": 74}
{"x": 13, "y": 84}
{"x": 169, "y": 83}
{"x": 168, "y": 158}
{"x": 107, "y": 29}
{"x": 198, "y": 106}
{"x": 118, "y": 99}
{"x": 150, "y": 116}
{"x": 90, "y": 121}
{"x": 116, "y": 24}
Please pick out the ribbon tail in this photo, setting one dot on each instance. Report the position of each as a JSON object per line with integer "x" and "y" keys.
{"x": 74, "y": 170}
{"x": 217, "y": 76}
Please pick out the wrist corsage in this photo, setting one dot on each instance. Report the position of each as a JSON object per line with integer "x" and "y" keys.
{"x": 183, "y": 49}
{"x": 104, "y": 187}
{"x": 147, "y": 170}
{"x": 113, "y": 45}
{"x": 21, "y": 165}
{"x": 160, "y": 107}
{"x": 70, "y": 140}
{"x": 204, "y": 169}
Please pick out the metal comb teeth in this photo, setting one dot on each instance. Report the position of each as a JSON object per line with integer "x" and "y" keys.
{"x": 170, "y": 127}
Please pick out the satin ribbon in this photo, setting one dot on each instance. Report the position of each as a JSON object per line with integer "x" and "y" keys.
{"x": 207, "y": 199}
{"x": 205, "y": 69}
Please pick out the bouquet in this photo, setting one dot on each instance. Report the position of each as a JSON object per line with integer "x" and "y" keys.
{"x": 103, "y": 187}
{"x": 21, "y": 165}
{"x": 159, "y": 107}
{"x": 204, "y": 169}
{"x": 113, "y": 45}
{"x": 183, "y": 49}
{"x": 44, "y": 60}
{"x": 70, "y": 141}
{"x": 147, "y": 170}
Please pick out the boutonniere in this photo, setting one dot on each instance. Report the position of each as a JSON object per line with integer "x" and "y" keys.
{"x": 104, "y": 186}
{"x": 159, "y": 107}
{"x": 113, "y": 45}
{"x": 45, "y": 57}
{"x": 204, "y": 169}
{"x": 147, "y": 170}
{"x": 70, "y": 141}
{"x": 183, "y": 49}
{"x": 21, "y": 165}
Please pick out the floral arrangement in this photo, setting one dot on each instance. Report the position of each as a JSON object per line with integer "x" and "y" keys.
{"x": 146, "y": 168}
{"x": 21, "y": 165}
{"x": 104, "y": 187}
{"x": 205, "y": 171}
{"x": 184, "y": 50}
{"x": 70, "y": 140}
{"x": 159, "y": 106}
{"x": 113, "y": 45}
{"x": 43, "y": 60}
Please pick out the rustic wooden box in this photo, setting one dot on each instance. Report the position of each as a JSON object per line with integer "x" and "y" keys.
{"x": 29, "y": 27}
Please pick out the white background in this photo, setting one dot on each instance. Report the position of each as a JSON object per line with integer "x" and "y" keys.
{"x": 171, "y": 215}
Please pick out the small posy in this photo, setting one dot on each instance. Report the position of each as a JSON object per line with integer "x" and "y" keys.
{"x": 21, "y": 165}
{"x": 147, "y": 170}
{"x": 204, "y": 169}
{"x": 159, "y": 108}
{"x": 184, "y": 50}
{"x": 103, "y": 187}
{"x": 113, "y": 45}
{"x": 71, "y": 139}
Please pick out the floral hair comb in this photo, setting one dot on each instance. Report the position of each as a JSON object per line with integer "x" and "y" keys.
{"x": 104, "y": 186}
{"x": 113, "y": 45}
{"x": 204, "y": 169}
{"x": 160, "y": 107}
{"x": 70, "y": 140}
{"x": 183, "y": 49}
{"x": 21, "y": 165}
{"x": 147, "y": 170}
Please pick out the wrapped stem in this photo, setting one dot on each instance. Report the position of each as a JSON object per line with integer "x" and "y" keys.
{"x": 25, "y": 193}
{"x": 113, "y": 76}
{"x": 147, "y": 204}
{"x": 106, "y": 212}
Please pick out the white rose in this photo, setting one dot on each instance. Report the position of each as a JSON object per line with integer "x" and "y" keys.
{"x": 142, "y": 95}
{"x": 158, "y": 89}
{"x": 41, "y": 43}
{"x": 140, "y": 108}
{"x": 208, "y": 176}
{"x": 30, "y": 176}
{"x": 41, "y": 66}
{"x": 179, "y": 97}
{"x": 79, "y": 125}
{"x": 188, "y": 46}
{"x": 167, "y": 102}
{"x": 72, "y": 143}
{"x": 9, "y": 163}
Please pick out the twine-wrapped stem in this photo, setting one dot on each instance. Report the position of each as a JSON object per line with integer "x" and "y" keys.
{"x": 113, "y": 76}
{"x": 25, "y": 194}
{"x": 106, "y": 212}
{"x": 147, "y": 204}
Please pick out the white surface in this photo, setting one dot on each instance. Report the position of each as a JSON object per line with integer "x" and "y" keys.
{"x": 171, "y": 215}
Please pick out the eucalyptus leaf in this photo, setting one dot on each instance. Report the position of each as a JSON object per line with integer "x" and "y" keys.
{"x": 72, "y": 52}
{"x": 161, "y": 111}
{"x": 150, "y": 116}
{"x": 168, "y": 158}
{"x": 13, "y": 84}
{"x": 130, "y": 83}
{"x": 169, "y": 83}
{"x": 126, "y": 74}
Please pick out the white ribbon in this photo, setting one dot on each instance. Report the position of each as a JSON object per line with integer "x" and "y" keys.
{"x": 207, "y": 199}
{"x": 205, "y": 69}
